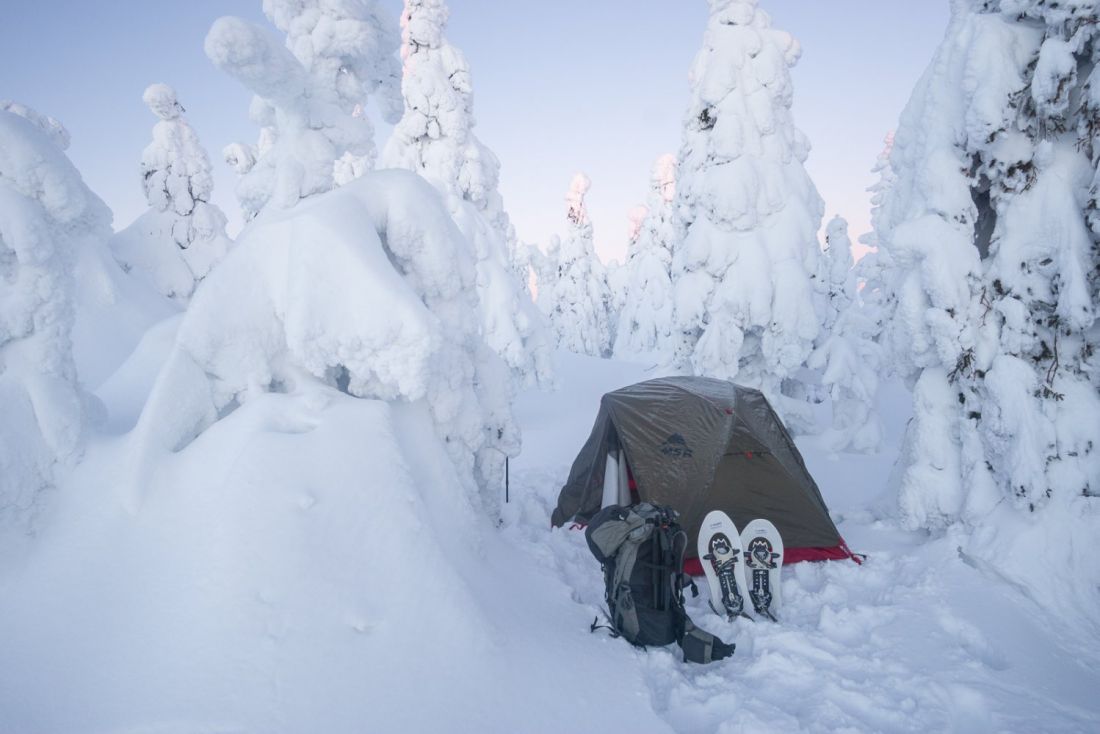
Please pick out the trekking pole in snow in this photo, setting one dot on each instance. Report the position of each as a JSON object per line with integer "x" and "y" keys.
{"x": 506, "y": 482}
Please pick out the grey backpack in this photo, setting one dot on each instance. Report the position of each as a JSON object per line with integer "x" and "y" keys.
{"x": 641, "y": 549}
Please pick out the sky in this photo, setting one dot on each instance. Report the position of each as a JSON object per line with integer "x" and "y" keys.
{"x": 560, "y": 86}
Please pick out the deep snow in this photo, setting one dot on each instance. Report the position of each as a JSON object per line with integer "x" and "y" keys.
{"x": 310, "y": 563}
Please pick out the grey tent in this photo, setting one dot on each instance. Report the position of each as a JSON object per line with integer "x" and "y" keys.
{"x": 699, "y": 444}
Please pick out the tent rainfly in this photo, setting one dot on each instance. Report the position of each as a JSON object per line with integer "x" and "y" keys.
{"x": 699, "y": 444}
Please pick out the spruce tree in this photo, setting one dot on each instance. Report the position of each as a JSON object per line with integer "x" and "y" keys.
{"x": 182, "y": 235}
{"x": 749, "y": 214}
{"x": 987, "y": 232}
{"x": 577, "y": 301}
{"x": 47, "y": 215}
{"x": 645, "y": 321}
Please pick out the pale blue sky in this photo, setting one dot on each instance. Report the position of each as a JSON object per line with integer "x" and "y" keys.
{"x": 560, "y": 86}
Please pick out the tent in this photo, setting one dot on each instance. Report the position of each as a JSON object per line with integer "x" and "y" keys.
{"x": 699, "y": 444}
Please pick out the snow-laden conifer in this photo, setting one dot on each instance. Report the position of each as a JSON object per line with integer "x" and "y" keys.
{"x": 182, "y": 235}
{"x": 388, "y": 310}
{"x": 987, "y": 230}
{"x": 619, "y": 273}
{"x": 847, "y": 355}
{"x": 645, "y": 319}
{"x": 577, "y": 298}
{"x": 988, "y": 237}
{"x": 743, "y": 273}
{"x": 311, "y": 95}
{"x": 46, "y": 215}
{"x": 435, "y": 138}
{"x": 348, "y": 48}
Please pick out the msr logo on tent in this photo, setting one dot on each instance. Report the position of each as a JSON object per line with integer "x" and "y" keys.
{"x": 676, "y": 446}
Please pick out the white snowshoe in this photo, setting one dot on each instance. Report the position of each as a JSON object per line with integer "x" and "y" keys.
{"x": 763, "y": 549}
{"x": 720, "y": 555}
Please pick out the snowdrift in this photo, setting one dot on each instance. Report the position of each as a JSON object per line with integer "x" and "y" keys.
{"x": 369, "y": 289}
{"x": 290, "y": 539}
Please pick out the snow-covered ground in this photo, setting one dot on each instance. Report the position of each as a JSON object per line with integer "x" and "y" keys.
{"x": 916, "y": 639}
{"x": 310, "y": 563}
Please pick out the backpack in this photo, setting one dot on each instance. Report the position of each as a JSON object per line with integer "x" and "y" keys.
{"x": 641, "y": 549}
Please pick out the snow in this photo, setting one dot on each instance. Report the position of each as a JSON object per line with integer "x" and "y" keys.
{"x": 266, "y": 493}
{"x": 435, "y": 138}
{"x": 310, "y": 562}
{"x": 645, "y": 315}
{"x": 310, "y": 96}
{"x": 748, "y": 214}
{"x": 984, "y": 234}
{"x": 387, "y": 309}
{"x": 48, "y": 217}
{"x": 573, "y": 287}
{"x": 177, "y": 242}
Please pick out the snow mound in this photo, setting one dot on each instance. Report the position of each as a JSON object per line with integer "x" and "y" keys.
{"x": 370, "y": 288}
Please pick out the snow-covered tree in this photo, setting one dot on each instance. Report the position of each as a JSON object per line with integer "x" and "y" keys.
{"x": 645, "y": 318}
{"x": 435, "y": 135}
{"x": 619, "y": 273}
{"x": 544, "y": 264}
{"x": 743, "y": 270}
{"x": 847, "y": 355}
{"x": 836, "y": 281}
{"x": 577, "y": 298}
{"x": 311, "y": 95}
{"x": 387, "y": 310}
{"x": 875, "y": 271}
{"x": 348, "y": 49}
{"x": 435, "y": 139}
{"x": 987, "y": 230}
{"x": 182, "y": 236}
{"x": 636, "y": 218}
{"x": 46, "y": 214}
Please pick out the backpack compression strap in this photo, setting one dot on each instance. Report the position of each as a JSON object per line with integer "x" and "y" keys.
{"x": 698, "y": 646}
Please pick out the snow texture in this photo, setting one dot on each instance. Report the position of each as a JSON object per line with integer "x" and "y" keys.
{"x": 311, "y": 95}
{"x": 573, "y": 289}
{"x": 182, "y": 236}
{"x": 749, "y": 214}
{"x": 988, "y": 247}
{"x": 47, "y": 215}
